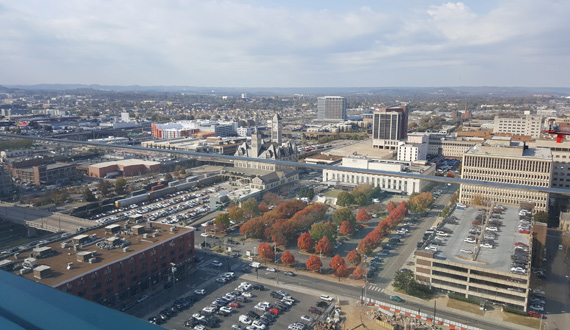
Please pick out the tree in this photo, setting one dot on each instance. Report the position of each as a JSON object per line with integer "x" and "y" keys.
{"x": 287, "y": 258}
{"x": 322, "y": 229}
{"x": 314, "y": 263}
{"x": 236, "y": 213}
{"x": 266, "y": 251}
{"x": 344, "y": 214}
{"x": 419, "y": 203}
{"x": 250, "y": 207}
{"x": 354, "y": 257}
{"x": 272, "y": 199}
{"x": 541, "y": 216}
{"x": 222, "y": 220}
{"x": 478, "y": 200}
{"x": 344, "y": 199}
{"x": 324, "y": 246}
{"x": 341, "y": 271}
{"x": 359, "y": 272}
{"x": 88, "y": 195}
{"x": 307, "y": 192}
{"x": 391, "y": 206}
{"x": 336, "y": 261}
{"x": 168, "y": 177}
{"x": 120, "y": 186}
{"x": 450, "y": 174}
{"x": 104, "y": 187}
{"x": 403, "y": 280}
{"x": 262, "y": 207}
{"x": 346, "y": 228}
{"x": 180, "y": 169}
{"x": 305, "y": 242}
{"x": 362, "y": 216}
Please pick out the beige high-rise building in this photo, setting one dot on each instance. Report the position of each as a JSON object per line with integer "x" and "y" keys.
{"x": 528, "y": 125}
{"x": 560, "y": 161}
{"x": 505, "y": 161}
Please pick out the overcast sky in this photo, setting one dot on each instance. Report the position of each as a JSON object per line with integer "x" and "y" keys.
{"x": 286, "y": 43}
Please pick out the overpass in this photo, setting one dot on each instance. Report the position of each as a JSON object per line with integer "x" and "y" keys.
{"x": 40, "y": 219}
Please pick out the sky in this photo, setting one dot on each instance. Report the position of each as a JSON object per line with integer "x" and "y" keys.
{"x": 286, "y": 43}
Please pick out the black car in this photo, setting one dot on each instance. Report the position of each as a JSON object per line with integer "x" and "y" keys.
{"x": 191, "y": 323}
{"x": 322, "y": 304}
{"x": 274, "y": 294}
{"x": 253, "y": 315}
{"x": 258, "y": 287}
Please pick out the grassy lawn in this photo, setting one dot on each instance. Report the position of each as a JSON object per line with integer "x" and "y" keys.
{"x": 522, "y": 320}
{"x": 464, "y": 306}
{"x": 333, "y": 193}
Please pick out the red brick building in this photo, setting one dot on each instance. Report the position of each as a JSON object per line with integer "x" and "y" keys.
{"x": 117, "y": 269}
{"x": 126, "y": 167}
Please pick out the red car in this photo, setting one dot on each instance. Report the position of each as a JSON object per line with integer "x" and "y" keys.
{"x": 476, "y": 223}
{"x": 521, "y": 244}
{"x": 524, "y": 231}
{"x": 535, "y": 314}
{"x": 274, "y": 311}
{"x": 234, "y": 304}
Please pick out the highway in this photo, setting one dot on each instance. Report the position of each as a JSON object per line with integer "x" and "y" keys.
{"x": 45, "y": 220}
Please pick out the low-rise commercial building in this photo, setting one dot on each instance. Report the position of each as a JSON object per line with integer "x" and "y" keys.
{"x": 392, "y": 183}
{"x": 46, "y": 174}
{"x": 114, "y": 264}
{"x": 125, "y": 167}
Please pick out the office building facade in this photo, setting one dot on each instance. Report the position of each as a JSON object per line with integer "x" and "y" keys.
{"x": 331, "y": 108}
{"x": 389, "y": 127}
{"x": 528, "y": 125}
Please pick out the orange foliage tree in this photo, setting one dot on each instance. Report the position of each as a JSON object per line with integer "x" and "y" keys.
{"x": 287, "y": 258}
{"x": 305, "y": 242}
{"x": 324, "y": 246}
{"x": 314, "y": 263}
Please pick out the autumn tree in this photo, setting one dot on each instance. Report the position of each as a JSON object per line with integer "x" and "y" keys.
{"x": 419, "y": 203}
{"x": 263, "y": 207}
{"x": 236, "y": 213}
{"x": 346, "y": 228}
{"x": 354, "y": 257}
{"x": 104, "y": 187}
{"x": 391, "y": 206}
{"x": 359, "y": 272}
{"x": 336, "y": 261}
{"x": 88, "y": 195}
{"x": 478, "y": 200}
{"x": 322, "y": 229}
{"x": 541, "y": 216}
{"x": 252, "y": 228}
{"x": 266, "y": 251}
{"x": 344, "y": 199}
{"x": 222, "y": 220}
{"x": 324, "y": 246}
{"x": 272, "y": 199}
{"x": 341, "y": 271}
{"x": 287, "y": 258}
{"x": 168, "y": 177}
{"x": 305, "y": 242}
{"x": 362, "y": 216}
{"x": 314, "y": 263}
{"x": 344, "y": 214}
{"x": 450, "y": 174}
{"x": 250, "y": 208}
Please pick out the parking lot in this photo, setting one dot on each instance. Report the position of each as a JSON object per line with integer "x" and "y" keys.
{"x": 197, "y": 308}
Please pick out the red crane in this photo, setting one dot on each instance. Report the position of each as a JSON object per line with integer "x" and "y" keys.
{"x": 554, "y": 129}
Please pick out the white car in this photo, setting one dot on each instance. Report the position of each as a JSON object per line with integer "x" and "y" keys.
{"x": 466, "y": 251}
{"x": 200, "y": 291}
{"x": 431, "y": 248}
{"x": 247, "y": 294}
{"x": 492, "y": 229}
{"x": 244, "y": 319}
{"x": 306, "y": 318}
{"x": 226, "y": 309}
{"x": 204, "y": 235}
{"x": 442, "y": 234}
{"x": 487, "y": 245}
{"x": 326, "y": 298}
{"x": 258, "y": 325}
{"x": 470, "y": 240}
{"x": 539, "y": 292}
{"x": 271, "y": 269}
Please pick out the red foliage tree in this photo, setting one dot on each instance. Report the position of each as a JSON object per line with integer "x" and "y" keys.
{"x": 346, "y": 228}
{"x": 365, "y": 246}
{"x": 266, "y": 251}
{"x": 305, "y": 242}
{"x": 354, "y": 257}
{"x": 324, "y": 246}
{"x": 252, "y": 228}
{"x": 336, "y": 261}
{"x": 362, "y": 216}
{"x": 287, "y": 258}
{"x": 391, "y": 206}
{"x": 279, "y": 239}
{"x": 263, "y": 207}
{"x": 341, "y": 271}
{"x": 314, "y": 263}
{"x": 359, "y": 272}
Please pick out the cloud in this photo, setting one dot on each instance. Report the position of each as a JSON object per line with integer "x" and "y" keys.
{"x": 258, "y": 43}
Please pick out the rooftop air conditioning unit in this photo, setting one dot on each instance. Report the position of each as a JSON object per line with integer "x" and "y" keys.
{"x": 92, "y": 260}
{"x": 69, "y": 265}
{"x": 126, "y": 249}
{"x": 145, "y": 235}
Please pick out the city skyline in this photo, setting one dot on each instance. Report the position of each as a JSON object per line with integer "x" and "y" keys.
{"x": 275, "y": 44}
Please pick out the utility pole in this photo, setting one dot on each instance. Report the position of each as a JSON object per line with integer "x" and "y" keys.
{"x": 434, "y": 304}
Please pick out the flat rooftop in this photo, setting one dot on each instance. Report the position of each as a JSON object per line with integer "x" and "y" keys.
{"x": 499, "y": 257}
{"x": 58, "y": 262}
{"x": 126, "y": 162}
{"x": 362, "y": 148}
{"x": 534, "y": 153}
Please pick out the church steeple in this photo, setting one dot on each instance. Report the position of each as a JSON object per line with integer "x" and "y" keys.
{"x": 276, "y": 129}
{"x": 255, "y": 143}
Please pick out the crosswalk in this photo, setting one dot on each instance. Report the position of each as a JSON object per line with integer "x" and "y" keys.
{"x": 374, "y": 287}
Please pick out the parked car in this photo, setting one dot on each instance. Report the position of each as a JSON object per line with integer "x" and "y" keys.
{"x": 315, "y": 310}
{"x": 326, "y": 298}
{"x": 537, "y": 307}
{"x": 396, "y": 298}
{"x": 535, "y": 314}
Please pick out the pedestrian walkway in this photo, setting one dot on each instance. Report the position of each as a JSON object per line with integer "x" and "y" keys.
{"x": 374, "y": 287}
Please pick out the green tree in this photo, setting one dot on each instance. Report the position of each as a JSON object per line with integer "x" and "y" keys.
{"x": 168, "y": 177}
{"x": 541, "y": 216}
{"x": 403, "y": 280}
{"x": 104, "y": 187}
{"x": 222, "y": 220}
{"x": 344, "y": 214}
{"x": 120, "y": 186}
{"x": 321, "y": 229}
{"x": 344, "y": 199}
{"x": 88, "y": 195}
{"x": 250, "y": 207}
{"x": 307, "y": 192}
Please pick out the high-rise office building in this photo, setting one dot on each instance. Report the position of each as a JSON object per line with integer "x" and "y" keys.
{"x": 528, "y": 125}
{"x": 389, "y": 127}
{"x": 331, "y": 108}
{"x": 505, "y": 161}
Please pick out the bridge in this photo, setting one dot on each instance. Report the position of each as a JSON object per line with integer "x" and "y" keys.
{"x": 40, "y": 219}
